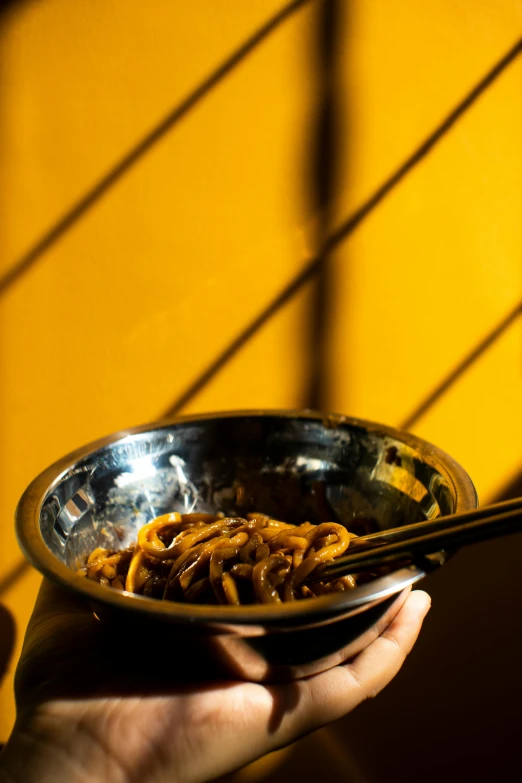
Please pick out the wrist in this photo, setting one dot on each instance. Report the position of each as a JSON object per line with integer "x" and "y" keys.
{"x": 47, "y": 749}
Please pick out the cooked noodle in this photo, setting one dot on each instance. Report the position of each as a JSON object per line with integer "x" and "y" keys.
{"x": 205, "y": 558}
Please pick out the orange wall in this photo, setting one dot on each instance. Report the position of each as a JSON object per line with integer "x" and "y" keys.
{"x": 116, "y": 319}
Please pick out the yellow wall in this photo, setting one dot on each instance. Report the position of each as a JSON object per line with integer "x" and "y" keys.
{"x": 115, "y": 319}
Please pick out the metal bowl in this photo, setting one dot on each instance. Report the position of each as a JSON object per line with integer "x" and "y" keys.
{"x": 293, "y": 465}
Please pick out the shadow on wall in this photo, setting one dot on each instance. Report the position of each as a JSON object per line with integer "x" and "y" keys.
{"x": 330, "y": 38}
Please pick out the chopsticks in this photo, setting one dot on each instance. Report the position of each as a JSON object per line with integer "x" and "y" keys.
{"x": 401, "y": 544}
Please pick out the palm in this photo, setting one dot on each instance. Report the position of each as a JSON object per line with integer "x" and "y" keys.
{"x": 156, "y": 720}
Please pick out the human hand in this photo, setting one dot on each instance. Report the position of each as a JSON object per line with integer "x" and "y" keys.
{"x": 90, "y": 709}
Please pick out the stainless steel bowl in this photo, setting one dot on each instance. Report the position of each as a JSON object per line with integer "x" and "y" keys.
{"x": 294, "y": 465}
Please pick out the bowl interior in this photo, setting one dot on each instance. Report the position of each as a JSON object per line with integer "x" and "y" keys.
{"x": 293, "y": 467}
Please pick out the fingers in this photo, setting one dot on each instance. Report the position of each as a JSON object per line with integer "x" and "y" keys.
{"x": 376, "y": 666}
{"x": 332, "y": 694}
{"x": 306, "y": 705}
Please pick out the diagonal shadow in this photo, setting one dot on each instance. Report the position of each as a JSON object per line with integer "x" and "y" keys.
{"x": 99, "y": 190}
{"x": 346, "y": 228}
{"x": 458, "y": 371}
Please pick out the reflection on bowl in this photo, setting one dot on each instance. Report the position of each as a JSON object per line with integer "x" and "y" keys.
{"x": 295, "y": 466}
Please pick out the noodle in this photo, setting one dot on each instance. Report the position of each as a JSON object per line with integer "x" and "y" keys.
{"x": 205, "y": 558}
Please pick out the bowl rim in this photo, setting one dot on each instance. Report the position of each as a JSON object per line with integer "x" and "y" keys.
{"x": 255, "y": 618}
